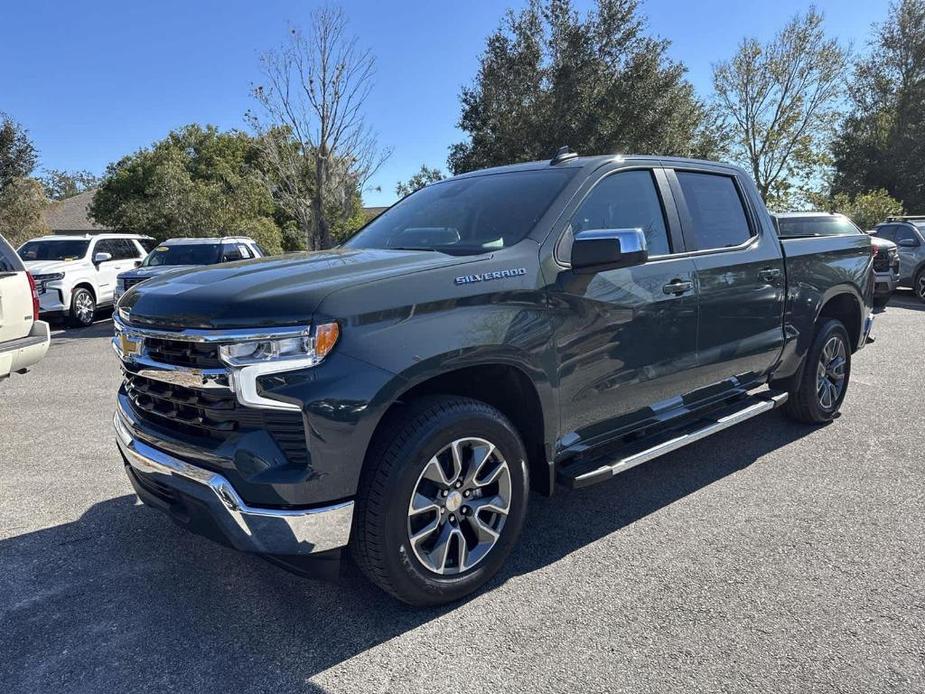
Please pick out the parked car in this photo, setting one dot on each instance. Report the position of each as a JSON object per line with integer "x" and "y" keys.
{"x": 497, "y": 331}
{"x": 177, "y": 254}
{"x": 24, "y": 339}
{"x": 907, "y": 234}
{"x": 76, "y": 275}
{"x": 793, "y": 225}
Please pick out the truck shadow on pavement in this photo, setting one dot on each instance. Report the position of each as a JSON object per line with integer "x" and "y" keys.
{"x": 122, "y": 599}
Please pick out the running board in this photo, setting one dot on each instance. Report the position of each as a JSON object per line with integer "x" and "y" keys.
{"x": 584, "y": 474}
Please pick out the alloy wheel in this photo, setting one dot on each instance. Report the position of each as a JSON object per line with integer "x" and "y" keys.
{"x": 920, "y": 286}
{"x": 84, "y": 308}
{"x": 459, "y": 506}
{"x": 830, "y": 373}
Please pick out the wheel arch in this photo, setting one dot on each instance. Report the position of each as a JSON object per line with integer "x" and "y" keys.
{"x": 508, "y": 387}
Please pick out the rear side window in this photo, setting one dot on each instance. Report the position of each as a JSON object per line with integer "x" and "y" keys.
{"x": 887, "y": 232}
{"x": 799, "y": 227}
{"x": 716, "y": 210}
{"x": 625, "y": 200}
{"x": 230, "y": 252}
{"x": 9, "y": 261}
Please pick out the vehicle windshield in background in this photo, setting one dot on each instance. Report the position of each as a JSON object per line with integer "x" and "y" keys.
{"x": 53, "y": 250}
{"x": 186, "y": 254}
{"x": 466, "y": 216}
{"x": 795, "y": 227}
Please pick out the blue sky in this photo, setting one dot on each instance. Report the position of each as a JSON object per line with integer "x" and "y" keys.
{"x": 93, "y": 81}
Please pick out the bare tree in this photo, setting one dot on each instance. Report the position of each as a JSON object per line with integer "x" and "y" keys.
{"x": 780, "y": 102}
{"x": 319, "y": 148}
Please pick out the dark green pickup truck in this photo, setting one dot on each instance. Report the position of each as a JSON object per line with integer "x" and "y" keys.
{"x": 556, "y": 322}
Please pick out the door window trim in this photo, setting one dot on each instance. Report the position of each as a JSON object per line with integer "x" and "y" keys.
{"x": 686, "y": 220}
{"x": 670, "y": 214}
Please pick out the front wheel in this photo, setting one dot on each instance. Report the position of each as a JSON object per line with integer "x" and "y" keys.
{"x": 442, "y": 501}
{"x": 83, "y": 308}
{"x": 820, "y": 391}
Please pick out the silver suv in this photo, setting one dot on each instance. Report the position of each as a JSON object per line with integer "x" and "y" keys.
{"x": 908, "y": 233}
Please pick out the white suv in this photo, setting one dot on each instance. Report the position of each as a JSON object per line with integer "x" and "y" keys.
{"x": 24, "y": 338}
{"x": 77, "y": 274}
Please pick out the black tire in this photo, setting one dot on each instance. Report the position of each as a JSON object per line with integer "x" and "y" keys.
{"x": 83, "y": 308}
{"x": 805, "y": 404}
{"x": 412, "y": 437}
{"x": 918, "y": 285}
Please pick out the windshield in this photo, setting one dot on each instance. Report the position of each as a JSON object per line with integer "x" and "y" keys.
{"x": 186, "y": 254}
{"x": 792, "y": 227}
{"x": 466, "y": 216}
{"x": 53, "y": 250}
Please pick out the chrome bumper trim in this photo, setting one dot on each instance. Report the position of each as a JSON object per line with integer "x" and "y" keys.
{"x": 247, "y": 528}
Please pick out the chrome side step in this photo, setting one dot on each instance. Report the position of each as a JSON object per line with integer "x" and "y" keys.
{"x": 585, "y": 474}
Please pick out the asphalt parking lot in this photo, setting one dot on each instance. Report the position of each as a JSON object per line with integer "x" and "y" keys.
{"x": 772, "y": 557}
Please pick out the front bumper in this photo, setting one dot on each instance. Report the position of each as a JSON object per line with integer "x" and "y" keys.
{"x": 885, "y": 283}
{"x": 206, "y": 503}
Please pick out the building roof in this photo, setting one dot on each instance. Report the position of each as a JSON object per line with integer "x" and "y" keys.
{"x": 70, "y": 216}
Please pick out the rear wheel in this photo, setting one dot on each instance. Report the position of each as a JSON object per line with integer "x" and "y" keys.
{"x": 442, "y": 501}
{"x": 83, "y": 308}
{"x": 817, "y": 396}
{"x": 918, "y": 285}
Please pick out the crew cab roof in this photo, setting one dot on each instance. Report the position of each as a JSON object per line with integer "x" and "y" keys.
{"x": 590, "y": 163}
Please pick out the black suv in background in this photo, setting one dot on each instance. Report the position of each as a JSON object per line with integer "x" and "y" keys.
{"x": 553, "y": 322}
{"x": 181, "y": 253}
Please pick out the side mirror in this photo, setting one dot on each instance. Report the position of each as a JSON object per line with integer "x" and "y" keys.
{"x": 101, "y": 257}
{"x": 596, "y": 250}
{"x": 907, "y": 243}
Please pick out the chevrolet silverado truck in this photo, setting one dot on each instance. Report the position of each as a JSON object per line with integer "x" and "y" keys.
{"x": 517, "y": 328}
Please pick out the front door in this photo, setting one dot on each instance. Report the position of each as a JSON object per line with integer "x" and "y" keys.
{"x": 124, "y": 256}
{"x": 625, "y": 338}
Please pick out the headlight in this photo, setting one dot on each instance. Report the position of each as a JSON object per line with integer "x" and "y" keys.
{"x": 310, "y": 347}
{"x": 51, "y": 277}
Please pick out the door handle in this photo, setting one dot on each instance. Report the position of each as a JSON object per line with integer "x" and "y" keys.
{"x": 678, "y": 287}
{"x": 769, "y": 275}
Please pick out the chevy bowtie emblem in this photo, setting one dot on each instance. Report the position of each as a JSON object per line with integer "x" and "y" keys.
{"x": 488, "y": 276}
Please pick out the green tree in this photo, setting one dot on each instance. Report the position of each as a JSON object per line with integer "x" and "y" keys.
{"x": 598, "y": 83}
{"x": 17, "y": 153}
{"x": 21, "y": 205}
{"x": 423, "y": 177}
{"x": 197, "y": 181}
{"x": 882, "y": 142}
{"x": 865, "y": 209}
{"x": 60, "y": 185}
{"x": 779, "y": 100}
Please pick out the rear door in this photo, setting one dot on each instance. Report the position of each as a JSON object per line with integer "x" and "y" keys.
{"x": 15, "y": 295}
{"x": 626, "y": 339}
{"x": 740, "y": 273}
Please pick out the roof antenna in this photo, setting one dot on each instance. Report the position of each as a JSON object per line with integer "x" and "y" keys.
{"x": 562, "y": 154}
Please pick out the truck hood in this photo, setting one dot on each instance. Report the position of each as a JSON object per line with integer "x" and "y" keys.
{"x": 879, "y": 243}
{"x": 45, "y": 267}
{"x": 267, "y": 291}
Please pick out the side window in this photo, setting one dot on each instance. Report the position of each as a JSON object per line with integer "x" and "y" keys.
{"x": 230, "y": 251}
{"x": 9, "y": 261}
{"x": 245, "y": 251}
{"x": 110, "y": 246}
{"x": 626, "y": 200}
{"x": 903, "y": 232}
{"x": 716, "y": 210}
{"x": 132, "y": 249}
{"x": 260, "y": 251}
{"x": 887, "y": 231}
